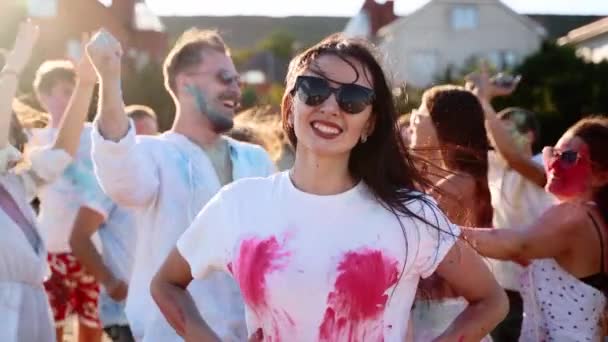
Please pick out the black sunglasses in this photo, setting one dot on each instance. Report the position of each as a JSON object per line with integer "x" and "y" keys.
{"x": 567, "y": 158}
{"x": 352, "y": 98}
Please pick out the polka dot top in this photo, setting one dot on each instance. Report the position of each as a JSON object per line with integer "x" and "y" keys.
{"x": 558, "y": 306}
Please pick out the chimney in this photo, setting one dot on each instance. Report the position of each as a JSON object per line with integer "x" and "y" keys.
{"x": 379, "y": 14}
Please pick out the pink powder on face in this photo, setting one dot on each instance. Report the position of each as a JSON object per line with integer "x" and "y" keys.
{"x": 356, "y": 306}
{"x": 570, "y": 181}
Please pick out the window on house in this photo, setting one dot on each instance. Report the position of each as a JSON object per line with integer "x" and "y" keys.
{"x": 503, "y": 59}
{"x": 464, "y": 17}
{"x": 494, "y": 59}
{"x": 510, "y": 58}
{"x": 42, "y": 8}
{"x": 106, "y": 3}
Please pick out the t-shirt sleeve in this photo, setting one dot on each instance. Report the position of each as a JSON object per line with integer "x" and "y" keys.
{"x": 88, "y": 189}
{"x": 436, "y": 236}
{"x": 9, "y": 156}
{"x": 206, "y": 244}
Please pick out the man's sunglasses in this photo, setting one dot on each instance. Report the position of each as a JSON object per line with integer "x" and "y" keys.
{"x": 567, "y": 158}
{"x": 352, "y": 98}
{"x": 223, "y": 76}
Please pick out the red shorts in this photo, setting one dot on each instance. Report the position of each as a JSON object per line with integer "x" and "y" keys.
{"x": 72, "y": 290}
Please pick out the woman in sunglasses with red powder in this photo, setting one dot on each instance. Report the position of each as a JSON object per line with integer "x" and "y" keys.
{"x": 333, "y": 249}
{"x": 565, "y": 283}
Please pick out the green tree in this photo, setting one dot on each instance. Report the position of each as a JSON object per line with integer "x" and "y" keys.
{"x": 560, "y": 87}
{"x": 241, "y": 57}
{"x": 146, "y": 87}
{"x": 280, "y": 43}
{"x": 557, "y": 85}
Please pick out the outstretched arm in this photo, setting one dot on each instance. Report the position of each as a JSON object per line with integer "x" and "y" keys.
{"x": 70, "y": 128}
{"x": 15, "y": 62}
{"x": 105, "y": 52}
{"x": 506, "y": 147}
{"x": 548, "y": 237}
{"x": 481, "y": 86}
{"x": 126, "y": 173}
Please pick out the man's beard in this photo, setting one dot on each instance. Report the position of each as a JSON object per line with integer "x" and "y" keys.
{"x": 220, "y": 122}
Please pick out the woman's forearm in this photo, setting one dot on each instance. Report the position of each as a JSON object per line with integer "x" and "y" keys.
{"x": 502, "y": 244}
{"x": 72, "y": 122}
{"x": 179, "y": 309}
{"x": 477, "y": 320}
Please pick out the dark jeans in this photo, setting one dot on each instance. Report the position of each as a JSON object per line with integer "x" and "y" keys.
{"x": 119, "y": 333}
{"x": 509, "y": 329}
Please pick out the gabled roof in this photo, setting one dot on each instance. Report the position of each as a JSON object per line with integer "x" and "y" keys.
{"x": 558, "y": 25}
{"x": 585, "y": 32}
{"x": 525, "y": 20}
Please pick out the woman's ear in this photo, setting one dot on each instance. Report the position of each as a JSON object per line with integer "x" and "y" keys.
{"x": 287, "y": 106}
{"x": 370, "y": 125}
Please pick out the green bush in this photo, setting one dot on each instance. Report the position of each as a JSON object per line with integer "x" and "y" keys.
{"x": 560, "y": 87}
{"x": 557, "y": 84}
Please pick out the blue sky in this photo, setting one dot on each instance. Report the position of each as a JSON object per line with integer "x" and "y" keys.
{"x": 349, "y": 7}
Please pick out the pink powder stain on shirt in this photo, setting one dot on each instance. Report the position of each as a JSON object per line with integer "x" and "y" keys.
{"x": 256, "y": 259}
{"x": 355, "y": 308}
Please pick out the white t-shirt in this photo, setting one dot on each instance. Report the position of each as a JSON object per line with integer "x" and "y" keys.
{"x": 77, "y": 187}
{"x": 317, "y": 268}
{"x": 517, "y": 202}
{"x": 166, "y": 180}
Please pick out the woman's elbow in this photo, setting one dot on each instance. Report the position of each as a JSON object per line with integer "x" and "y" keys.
{"x": 157, "y": 289}
{"x": 75, "y": 241}
{"x": 499, "y": 302}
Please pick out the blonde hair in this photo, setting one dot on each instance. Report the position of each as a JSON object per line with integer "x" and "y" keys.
{"x": 186, "y": 53}
{"x": 24, "y": 118}
{"x": 29, "y": 117}
{"x": 53, "y": 71}
{"x": 263, "y": 125}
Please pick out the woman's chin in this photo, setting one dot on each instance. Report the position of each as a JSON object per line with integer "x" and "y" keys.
{"x": 562, "y": 193}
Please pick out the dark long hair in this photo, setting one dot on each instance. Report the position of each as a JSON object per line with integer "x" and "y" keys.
{"x": 594, "y": 132}
{"x": 460, "y": 124}
{"x": 382, "y": 162}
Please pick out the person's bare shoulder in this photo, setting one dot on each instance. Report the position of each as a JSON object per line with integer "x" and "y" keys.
{"x": 460, "y": 187}
{"x": 455, "y": 195}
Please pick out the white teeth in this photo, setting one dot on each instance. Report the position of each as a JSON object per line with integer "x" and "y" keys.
{"x": 228, "y": 104}
{"x": 326, "y": 129}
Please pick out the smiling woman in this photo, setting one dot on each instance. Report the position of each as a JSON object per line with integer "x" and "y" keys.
{"x": 565, "y": 283}
{"x": 349, "y": 274}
